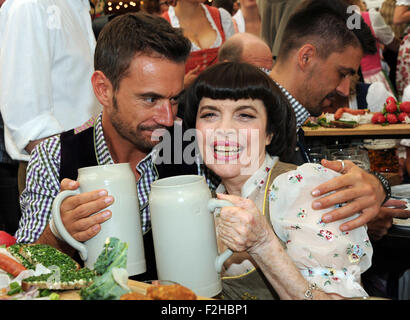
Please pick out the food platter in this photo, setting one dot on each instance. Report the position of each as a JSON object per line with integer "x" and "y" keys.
{"x": 135, "y": 286}
{"x": 360, "y": 130}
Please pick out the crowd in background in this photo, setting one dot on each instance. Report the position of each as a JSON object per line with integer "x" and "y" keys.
{"x": 207, "y": 24}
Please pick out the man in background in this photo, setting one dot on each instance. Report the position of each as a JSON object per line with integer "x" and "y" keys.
{"x": 46, "y": 61}
{"x": 246, "y": 47}
{"x": 9, "y": 202}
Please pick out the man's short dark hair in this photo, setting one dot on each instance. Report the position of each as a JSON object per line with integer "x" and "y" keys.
{"x": 137, "y": 33}
{"x": 325, "y": 24}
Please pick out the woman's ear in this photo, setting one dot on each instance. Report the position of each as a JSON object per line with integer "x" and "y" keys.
{"x": 102, "y": 87}
{"x": 269, "y": 138}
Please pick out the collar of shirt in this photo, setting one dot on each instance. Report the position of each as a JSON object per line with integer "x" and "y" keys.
{"x": 258, "y": 179}
{"x": 300, "y": 111}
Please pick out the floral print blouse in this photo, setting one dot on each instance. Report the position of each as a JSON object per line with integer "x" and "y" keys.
{"x": 325, "y": 255}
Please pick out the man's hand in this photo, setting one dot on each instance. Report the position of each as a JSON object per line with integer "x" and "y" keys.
{"x": 78, "y": 212}
{"x": 379, "y": 226}
{"x": 361, "y": 190}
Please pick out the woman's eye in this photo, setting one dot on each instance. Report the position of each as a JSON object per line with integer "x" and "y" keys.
{"x": 207, "y": 115}
{"x": 246, "y": 116}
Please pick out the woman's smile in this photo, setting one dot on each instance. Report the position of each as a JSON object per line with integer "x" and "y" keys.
{"x": 227, "y": 150}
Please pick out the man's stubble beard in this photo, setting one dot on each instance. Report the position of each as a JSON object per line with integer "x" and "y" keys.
{"x": 133, "y": 136}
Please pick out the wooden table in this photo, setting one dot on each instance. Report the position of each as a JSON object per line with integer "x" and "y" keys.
{"x": 361, "y": 130}
{"x": 135, "y": 286}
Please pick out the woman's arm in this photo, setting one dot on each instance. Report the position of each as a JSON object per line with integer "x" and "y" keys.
{"x": 244, "y": 228}
{"x": 401, "y": 15}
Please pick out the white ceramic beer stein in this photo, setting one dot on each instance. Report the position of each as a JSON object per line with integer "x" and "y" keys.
{"x": 124, "y": 224}
{"x": 183, "y": 229}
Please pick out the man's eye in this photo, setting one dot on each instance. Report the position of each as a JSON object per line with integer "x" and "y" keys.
{"x": 150, "y": 99}
{"x": 174, "y": 101}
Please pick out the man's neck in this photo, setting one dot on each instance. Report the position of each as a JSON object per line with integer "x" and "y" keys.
{"x": 122, "y": 150}
{"x": 287, "y": 79}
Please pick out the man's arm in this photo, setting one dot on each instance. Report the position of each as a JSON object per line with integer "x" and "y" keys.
{"x": 26, "y": 61}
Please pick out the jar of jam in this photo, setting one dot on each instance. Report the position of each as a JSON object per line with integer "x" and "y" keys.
{"x": 382, "y": 155}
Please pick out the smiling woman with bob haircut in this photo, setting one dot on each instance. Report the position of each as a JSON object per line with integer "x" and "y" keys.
{"x": 236, "y": 109}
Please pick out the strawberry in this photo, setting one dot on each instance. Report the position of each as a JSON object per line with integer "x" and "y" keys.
{"x": 405, "y": 106}
{"x": 6, "y": 239}
{"x": 391, "y": 107}
{"x": 378, "y": 117}
{"x": 390, "y": 99}
{"x": 391, "y": 118}
{"x": 402, "y": 116}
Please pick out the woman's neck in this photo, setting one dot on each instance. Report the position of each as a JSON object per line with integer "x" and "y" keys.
{"x": 234, "y": 185}
{"x": 187, "y": 9}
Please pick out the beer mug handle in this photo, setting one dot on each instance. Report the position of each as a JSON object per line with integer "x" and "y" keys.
{"x": 60, "y": 226}
{"x": 212, "y": 205}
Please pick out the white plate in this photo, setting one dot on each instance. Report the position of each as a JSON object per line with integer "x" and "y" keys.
{"x": 401, "y": 191}
{"x": 401, "y": 222}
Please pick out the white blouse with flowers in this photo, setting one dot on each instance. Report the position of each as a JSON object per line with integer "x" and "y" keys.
{"x": 324, "y": 255}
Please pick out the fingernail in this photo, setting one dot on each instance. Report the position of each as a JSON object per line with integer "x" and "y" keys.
{"x": 343, "y": 228}
{"x": 102, "y": 193}
{"x": 327, "y": 218}
{"x": 316, "y": 193}
{"x": 96, "y": 227}
{"x": 72, "y": 183}
{"x": 108, "y": 199}
{"x": 316, "y": 205}
{"x": 106, "y": 214}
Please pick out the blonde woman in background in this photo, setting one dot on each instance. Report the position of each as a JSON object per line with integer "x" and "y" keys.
{"x": 207, "y": 27}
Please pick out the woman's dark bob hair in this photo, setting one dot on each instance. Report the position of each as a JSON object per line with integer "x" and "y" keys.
{"x": 234, "y": 81}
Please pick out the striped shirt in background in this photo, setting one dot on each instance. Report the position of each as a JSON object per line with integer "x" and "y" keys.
{"x": 43, "y": 182}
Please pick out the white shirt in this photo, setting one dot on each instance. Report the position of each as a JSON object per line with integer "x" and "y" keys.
{"x": 406, "y": 94}
{"x": 403, "y": 3}
{"x": 46, "y": 63}
{"x": 226, "y": 21}
{"x": 375, "y": 98}
{"x": 383, "y": 32}
{"x": 240, "y": 20}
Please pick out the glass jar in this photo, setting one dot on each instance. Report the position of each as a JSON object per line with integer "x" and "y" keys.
{"x": 382, "y": 155}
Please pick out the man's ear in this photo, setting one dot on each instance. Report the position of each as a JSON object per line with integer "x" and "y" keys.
{"x": 306, "y": 54}
{"x": 102, "y": 87}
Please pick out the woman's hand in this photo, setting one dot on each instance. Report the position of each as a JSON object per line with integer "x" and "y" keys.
{"x": 242, "y": 227}
{"x": 361, "y": 190}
